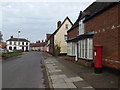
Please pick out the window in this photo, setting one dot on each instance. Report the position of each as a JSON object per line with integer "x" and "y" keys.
{"x": 22, "y": 43}
{"x": 10, "y": 48}
{"x": 71, "y": 49}
{"x": 66, "y": 26}
{"x": 14, "y": 43}
{"x": 81, "y": 26}
{"x": 65, "y": 37}
{"x": 86, "y": 48}
{"x": 14, "y": 48}
{"x": 26, "y": 43}
{"x": 10, "y": 43}
{"x": 90, "y": 48}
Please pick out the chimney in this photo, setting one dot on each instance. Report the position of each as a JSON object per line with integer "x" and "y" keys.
{"x": 58, "y": 24}
{"x": 39, "y": 41}
{"x": 11, "y": 37}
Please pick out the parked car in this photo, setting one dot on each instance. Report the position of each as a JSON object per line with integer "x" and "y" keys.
{"x": 10, "y": 51}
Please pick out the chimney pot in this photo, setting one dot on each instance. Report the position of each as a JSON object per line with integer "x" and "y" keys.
{"x": 11, "y": 36}
{"x": 58, "y": 24}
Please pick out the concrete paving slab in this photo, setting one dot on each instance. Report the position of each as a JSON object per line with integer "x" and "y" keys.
{"x": 58, "y": 80}
{"x": 76, "y": 79}
{"x": 63, "y": 76}
{"x": 71, "y": 85}
{"x": 60, "y": 85}
{"x": 81, "y": 84}
{"x": 56, "y": 71}
{"x": 67, "y": 80}
{"x": 88, "y": 87}
{"x": 54, "y": 77}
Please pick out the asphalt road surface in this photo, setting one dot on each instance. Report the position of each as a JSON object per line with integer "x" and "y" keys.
{"x": 24, "y": 71}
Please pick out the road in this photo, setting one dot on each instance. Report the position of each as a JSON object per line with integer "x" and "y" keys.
{"x": 23, "y": 71}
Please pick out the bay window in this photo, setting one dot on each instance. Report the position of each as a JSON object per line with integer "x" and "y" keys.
{"x": 86, "y": 48}
{"x": 71, "y": 48}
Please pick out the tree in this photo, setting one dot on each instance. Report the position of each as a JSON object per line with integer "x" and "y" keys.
{"x": 1, "y": 37}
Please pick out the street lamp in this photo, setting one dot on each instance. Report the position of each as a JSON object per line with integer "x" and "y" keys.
{"x": 18, "y": 39}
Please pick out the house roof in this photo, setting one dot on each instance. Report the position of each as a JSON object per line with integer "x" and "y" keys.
{"x": 80, "y": 37}
{"x": 60, "y": 26}
{"x": 16, "y": 39}
{"x": 76, "y": 24}
{"x": 47, "y": 36}
{"x": 35, "y": 45}
{"x": 96, "y": 8}
{"x": 42, "y": 44}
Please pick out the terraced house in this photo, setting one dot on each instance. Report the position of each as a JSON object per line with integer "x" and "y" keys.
{"x": 98, "y": 24}
{"x": 59, "y": 36}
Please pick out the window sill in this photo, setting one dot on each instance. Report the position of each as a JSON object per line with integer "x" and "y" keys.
{"x": 71, "y": 56}
{"x": 88, "y": 59}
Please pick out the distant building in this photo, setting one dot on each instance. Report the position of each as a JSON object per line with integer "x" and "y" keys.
{"x": 3, "y": 45}
{"x": 38, "y": 46}
{"x": 18, "y": 44}
{"x": 47, "y": 42}
{"x": 35, "y": 46}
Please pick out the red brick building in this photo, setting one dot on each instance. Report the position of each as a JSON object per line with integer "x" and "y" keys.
{"x": 50, "y": 44}
{"x": 97, "y": 25}
{"x": 47, "y": 40}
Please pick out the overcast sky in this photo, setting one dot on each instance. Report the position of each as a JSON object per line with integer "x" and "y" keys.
{"x": 35, "y": 19}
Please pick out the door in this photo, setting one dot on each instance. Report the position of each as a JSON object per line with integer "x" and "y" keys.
{"x": 26, "y": 48}
{"x": 76, "y": 51}
{"x": 22, "y": 48}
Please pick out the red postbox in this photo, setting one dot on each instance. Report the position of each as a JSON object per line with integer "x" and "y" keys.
{"x": 98, "y": 58}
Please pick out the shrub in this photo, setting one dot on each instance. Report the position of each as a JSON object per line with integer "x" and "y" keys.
{"x": 57, "y": 50}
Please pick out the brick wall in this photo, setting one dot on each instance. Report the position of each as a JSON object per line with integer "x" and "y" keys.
{"x": 107, "y": 34}
{"x": 119, "y": 31}
{"x": 84, "y": 62}
{"x": 71, "y": 58}
{"x": 51, "y": 44}
{"x": 73, "y": 33}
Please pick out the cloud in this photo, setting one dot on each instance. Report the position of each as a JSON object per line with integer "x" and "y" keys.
{"x": 36, "y": 19}
{"x": 48, "y": 0}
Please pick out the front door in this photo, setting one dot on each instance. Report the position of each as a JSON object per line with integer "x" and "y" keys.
{"x": 26, "y": 48}
{"x": 22, "y": 48}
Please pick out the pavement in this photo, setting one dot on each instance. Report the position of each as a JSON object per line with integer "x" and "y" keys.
{"x": 24, "y": 71}
{"x": 69, "y": 75}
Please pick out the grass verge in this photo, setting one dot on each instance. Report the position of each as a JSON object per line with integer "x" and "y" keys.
{"x": 6, "y": 55}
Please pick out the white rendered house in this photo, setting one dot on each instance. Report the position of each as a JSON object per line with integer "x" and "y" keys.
{"x": 18, "y": 44}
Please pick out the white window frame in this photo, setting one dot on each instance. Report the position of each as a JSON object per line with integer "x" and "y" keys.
{"x": 81, "y": 26}
{"x": 86, "y": 48}
{"x": 66, "y": 26}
